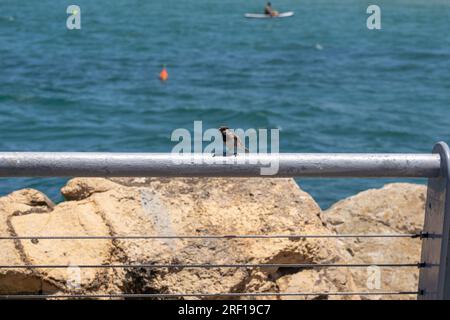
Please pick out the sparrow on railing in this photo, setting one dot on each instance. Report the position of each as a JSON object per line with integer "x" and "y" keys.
{"x": 231, "y": 140}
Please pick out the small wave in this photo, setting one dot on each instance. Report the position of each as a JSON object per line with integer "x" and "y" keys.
{"x": 7, "y": 18}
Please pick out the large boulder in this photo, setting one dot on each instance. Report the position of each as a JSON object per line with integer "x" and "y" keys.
{"x": 19, "y": 280}
{"x": 31, "y": 213}
{"x": 395, "y": 208}
{"x": 169, "y": 207}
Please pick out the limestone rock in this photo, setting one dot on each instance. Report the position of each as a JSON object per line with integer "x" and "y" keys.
{"x": 395, "y": 208}
{"x": 25, "y": 201}
{"x": 173, "y": 207}
{"x": 307, "y": 281}
{"x": 30, "y": 213}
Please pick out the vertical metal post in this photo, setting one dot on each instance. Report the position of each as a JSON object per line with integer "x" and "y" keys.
{"x": 434, "y": 278}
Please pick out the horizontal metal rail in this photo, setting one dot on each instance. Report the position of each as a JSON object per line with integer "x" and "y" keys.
{"x": 175, "y": 295}
{"x": 226, "y": 237}
{"x": 85, "y": 164}
{"x": 210, "y": 266}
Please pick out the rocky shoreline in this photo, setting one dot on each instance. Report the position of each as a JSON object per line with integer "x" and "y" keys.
{"x": 198, "y": 206}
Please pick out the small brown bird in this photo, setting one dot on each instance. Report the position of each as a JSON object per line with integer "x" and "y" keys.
{"x": 231, "y": 140}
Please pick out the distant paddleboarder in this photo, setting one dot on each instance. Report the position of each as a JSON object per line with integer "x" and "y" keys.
{"x": 269, "y": 10}
{"x": 269, "y": 13}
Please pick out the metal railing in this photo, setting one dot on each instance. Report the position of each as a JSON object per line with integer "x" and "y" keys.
{"x": 87, "y": 164}
{"x": 434, "y": 275}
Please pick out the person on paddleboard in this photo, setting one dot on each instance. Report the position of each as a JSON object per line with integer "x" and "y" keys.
{"x": 269, "y": 10}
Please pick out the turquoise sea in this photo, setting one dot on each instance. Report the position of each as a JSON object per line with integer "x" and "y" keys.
{"x": 326, "y": 81}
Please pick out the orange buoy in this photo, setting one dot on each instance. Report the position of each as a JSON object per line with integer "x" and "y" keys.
{"x": 164, "y": 75}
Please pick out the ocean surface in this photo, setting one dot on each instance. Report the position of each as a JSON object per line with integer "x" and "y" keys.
{"x": 321, "y": 77}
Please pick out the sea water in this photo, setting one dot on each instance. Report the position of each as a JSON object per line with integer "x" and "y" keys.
{"x": 322, "y": 77}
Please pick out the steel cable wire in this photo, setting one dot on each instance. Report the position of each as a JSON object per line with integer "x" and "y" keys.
{"x": 232, "y": 294}
{"x": 277, "y": 236}
{"x": 210, "y": 266}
